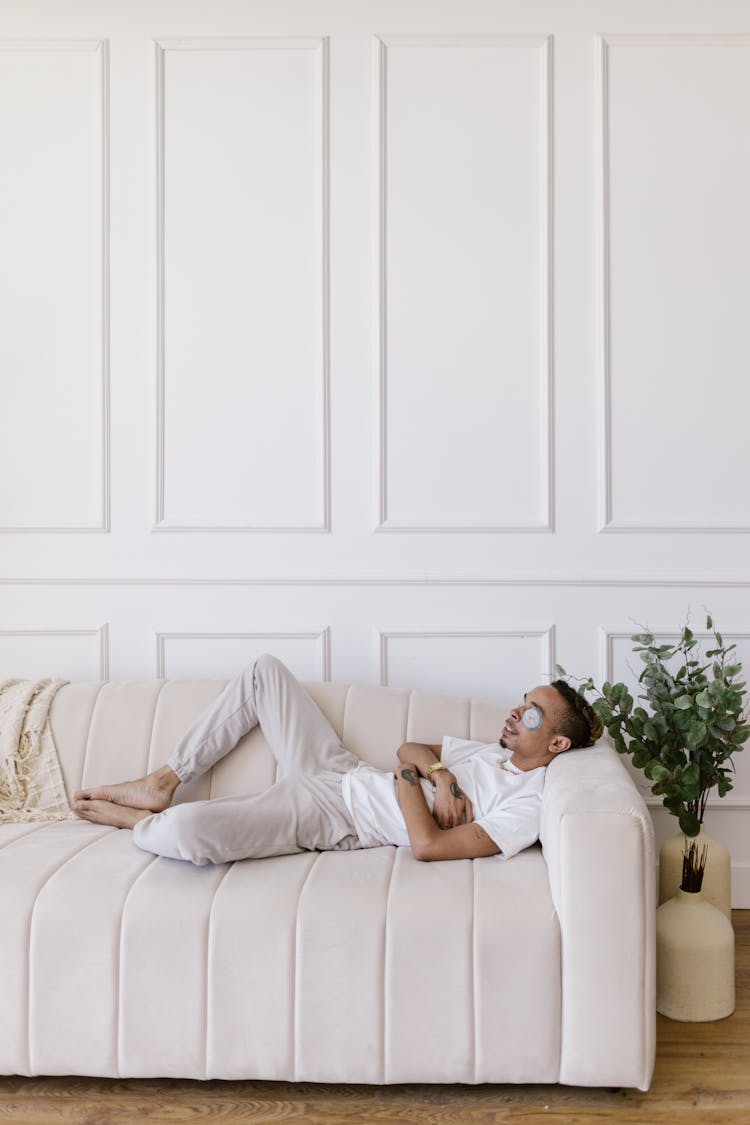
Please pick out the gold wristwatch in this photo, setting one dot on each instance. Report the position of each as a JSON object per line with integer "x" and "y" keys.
{"x": 433, "y": 769}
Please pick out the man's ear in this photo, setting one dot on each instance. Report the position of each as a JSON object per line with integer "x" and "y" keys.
{"x": 559, "y": 743}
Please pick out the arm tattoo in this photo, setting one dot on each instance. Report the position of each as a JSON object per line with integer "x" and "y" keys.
{"x": 408, "y": 775}
{"x": 456, "y": 789}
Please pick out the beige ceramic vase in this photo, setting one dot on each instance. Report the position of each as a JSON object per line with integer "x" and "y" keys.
{"x": 694, "y": 959}
{"x": 716, "y": 887}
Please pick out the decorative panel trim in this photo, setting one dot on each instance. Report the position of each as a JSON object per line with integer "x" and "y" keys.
{"x": 382, "y": 43}
{"x": 242, "y": 44}
{"x": 323, "y": 636}
{"x": 101, "y": 45}
{"x": 723, "y": 804}
{"x": 607, "y": 635}
{"x": 688, "y": 39}
{"x": 545, "y": 632}
{"x": 562, "y": 580}
{"x": 607, "y": 522}
{"x": 102, "y": 632}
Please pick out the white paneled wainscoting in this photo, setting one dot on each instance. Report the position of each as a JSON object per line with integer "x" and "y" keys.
{"x": 405, "y": 341}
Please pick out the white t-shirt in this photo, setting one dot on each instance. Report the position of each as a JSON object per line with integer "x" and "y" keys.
{"x": 506, "y": 800}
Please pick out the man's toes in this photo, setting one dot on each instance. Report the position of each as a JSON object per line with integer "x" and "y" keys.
{"x": 89, "y": 794}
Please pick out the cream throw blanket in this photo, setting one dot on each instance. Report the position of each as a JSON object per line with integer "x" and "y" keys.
{"x": 31, "y": 781}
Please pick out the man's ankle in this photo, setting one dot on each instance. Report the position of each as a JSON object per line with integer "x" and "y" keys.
{"x": 167, "y": 776}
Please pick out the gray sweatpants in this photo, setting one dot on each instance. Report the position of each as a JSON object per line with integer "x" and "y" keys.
{"x": 304, "y": 810}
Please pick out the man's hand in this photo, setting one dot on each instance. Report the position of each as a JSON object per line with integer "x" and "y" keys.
{"x": 452, "y": 807}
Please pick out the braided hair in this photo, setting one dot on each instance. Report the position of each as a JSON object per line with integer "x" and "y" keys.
{"x": 578, "y": 721}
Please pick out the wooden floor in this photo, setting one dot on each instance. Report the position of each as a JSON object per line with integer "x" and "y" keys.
{"x": 702, "y": 1076}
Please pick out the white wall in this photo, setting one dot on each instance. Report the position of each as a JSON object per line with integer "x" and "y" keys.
{"x": 407, "y": 341}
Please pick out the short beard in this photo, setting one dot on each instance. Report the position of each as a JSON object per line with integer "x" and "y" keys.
{"x": 504, "y": 744}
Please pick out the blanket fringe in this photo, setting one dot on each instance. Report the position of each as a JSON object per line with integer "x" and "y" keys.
{"x": 31, "y": 783}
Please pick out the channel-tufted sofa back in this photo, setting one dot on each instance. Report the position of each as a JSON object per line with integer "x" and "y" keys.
{"x": 117, "y": 730}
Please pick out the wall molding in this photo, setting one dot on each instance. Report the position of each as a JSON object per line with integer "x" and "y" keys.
{"x": 545, "y": 632}
{"x": 719, "y": 804}
{"x": 101, "y": 46}
{"x": 384, "y": 523}
{"x": 675, "y": 39}
{"x": 101, "y": 631}
{"x": 560, "y": 580}
{"x": 607, "y": 522}
{"x": 323, "y": 636}
{"x": 161, "y": 46}
{"x": 607, "y": 634}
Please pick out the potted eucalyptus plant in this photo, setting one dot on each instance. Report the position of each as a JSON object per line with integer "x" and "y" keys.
{"x": 684, "y": 740}
{"x": 694, "y": 723}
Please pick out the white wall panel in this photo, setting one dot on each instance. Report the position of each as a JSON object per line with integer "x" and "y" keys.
{"x": 677, "y": 179}
{"x": 243, "y": 381}
{"x": 497, "y": 664}
{"x": 197, "y": 655}
{"x": 70, "y": 654}
{"x": 464, "y": 283}
{"x": 54, "y": 285}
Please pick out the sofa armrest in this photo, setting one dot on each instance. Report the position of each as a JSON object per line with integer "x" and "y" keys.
{"x": 598, "y": 843}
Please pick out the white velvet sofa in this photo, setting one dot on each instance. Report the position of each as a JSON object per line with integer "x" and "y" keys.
{"x": 364, "y": 966}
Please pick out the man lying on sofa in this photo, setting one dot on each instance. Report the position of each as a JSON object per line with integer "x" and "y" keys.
{"x": 460, "y": 800}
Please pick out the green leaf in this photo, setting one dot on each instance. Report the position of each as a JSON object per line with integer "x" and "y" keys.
{"x": 691, "y": 774}
{"x": 696, "y": 734}
{"x": 683, "y": 702}
{"x": 672, "y": 792}
{"x": 641, "y": 757}
{"x": 655, "y": 771}
{"x": 660, "y": 722}
{"x": 689, "y": 823}
{"x": 703, "y": 699}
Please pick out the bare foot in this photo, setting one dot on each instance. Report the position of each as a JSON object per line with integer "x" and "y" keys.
{"x": 153, "y": 792}
{"x": 107, "y": 812}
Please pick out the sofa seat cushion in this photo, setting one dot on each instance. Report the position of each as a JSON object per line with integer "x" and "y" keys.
{"x": 317, "y": 967}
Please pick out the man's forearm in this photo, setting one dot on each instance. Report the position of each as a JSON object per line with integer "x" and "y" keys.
{"x": 428, "y": 842}
{"x": 420, "y": 824}
{"x": 421, "y": 756}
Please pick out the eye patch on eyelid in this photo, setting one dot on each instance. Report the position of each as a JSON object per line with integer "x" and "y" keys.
{"x": 532, "y": 718}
